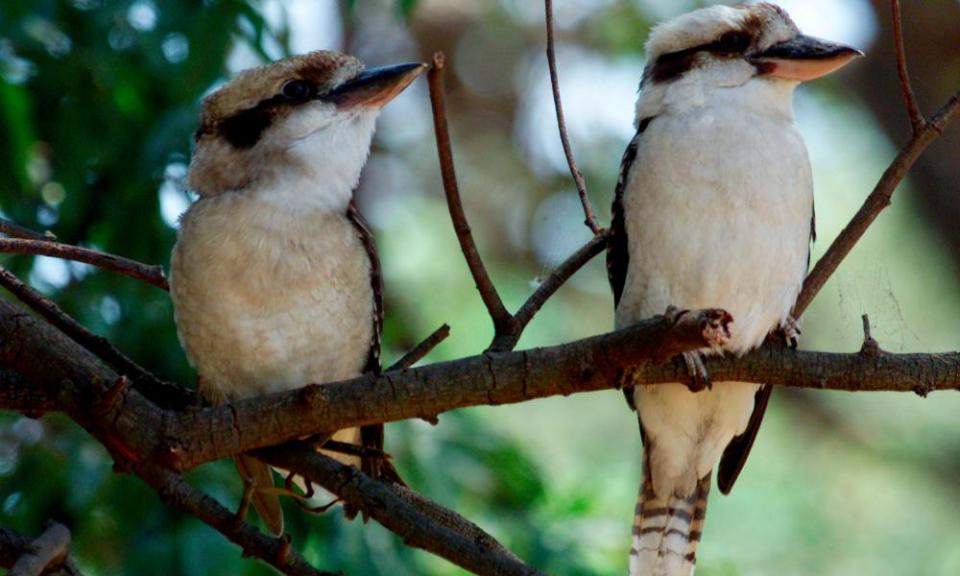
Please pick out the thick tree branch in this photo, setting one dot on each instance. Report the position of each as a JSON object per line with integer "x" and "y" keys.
{"x": 442, "y": 532}
{"x": 168, "y": 394}
{"x": 631, "y": 356}
{"x": 274, "y": 551}
{"x": 45, "y": 247}
{"x": 589, "y": 218}
{"x": 74, "y": 381}
{"x": 62, "y": 373}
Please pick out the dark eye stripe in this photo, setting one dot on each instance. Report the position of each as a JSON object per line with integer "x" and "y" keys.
{"x": 671, "y": 66}
{"x": 244, "y": 129}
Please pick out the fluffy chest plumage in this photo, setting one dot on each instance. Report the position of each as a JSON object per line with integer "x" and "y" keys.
{"x": 717, "y": 209}
{"x": 268, "y": 298}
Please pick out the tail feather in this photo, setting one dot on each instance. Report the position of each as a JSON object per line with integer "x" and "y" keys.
{"x": 666, "y": 531}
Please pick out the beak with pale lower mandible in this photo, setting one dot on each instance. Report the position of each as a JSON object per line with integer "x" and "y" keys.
{"x": 803, "y": 58}
{"x": 375, "y": 87}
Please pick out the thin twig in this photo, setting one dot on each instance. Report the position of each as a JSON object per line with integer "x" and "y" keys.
{"x": 878, "y": 199}
{"x": 488, "y": 292}
{"x": 417, "y": 353}
{"x": 507, "y": 327}
{"x": 508, "y": 340}
{"x": 909, "y": 99}
{"x": 47, "y": 551}
{"x": 165, "y": 393}
{"x": 15, "y": 230}
{"x": 589, "y": 218}
{"x": 150, "y": 274}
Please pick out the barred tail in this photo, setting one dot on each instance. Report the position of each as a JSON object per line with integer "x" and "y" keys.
{"x": 666, "y": 531}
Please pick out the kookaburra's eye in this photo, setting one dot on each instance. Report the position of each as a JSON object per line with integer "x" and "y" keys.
{"x": 296, "y": 90}
{"x": 734, "y": 42}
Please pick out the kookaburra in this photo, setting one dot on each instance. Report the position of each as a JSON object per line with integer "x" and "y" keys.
{"x": 713, "y": 208}
{"x": 275, "y": 278}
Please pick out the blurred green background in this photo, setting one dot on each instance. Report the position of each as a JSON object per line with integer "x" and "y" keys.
{"x": 98, "y": 100}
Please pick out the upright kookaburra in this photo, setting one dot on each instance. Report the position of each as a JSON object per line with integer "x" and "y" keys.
{"x": 275, "y": 278}
{"x": 713, "y": 208}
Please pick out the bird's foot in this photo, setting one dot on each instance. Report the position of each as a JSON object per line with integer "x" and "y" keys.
{"x": 699, "y": 379}
{"x": 714, "y": 323}
{"x": 715, "y": 328}
{"x": 789, "y": 332}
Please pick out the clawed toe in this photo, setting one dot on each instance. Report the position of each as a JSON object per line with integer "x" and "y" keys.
{"x": 699, "y": 379}
{"x": 789, "y": 331}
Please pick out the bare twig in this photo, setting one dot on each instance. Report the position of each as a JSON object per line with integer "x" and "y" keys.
{"x": 48, "y": 551}
{"x": 15, "y": 230}
{"x": 589, "y": 218}
{"x": 164, "y": 392}
{"x": 508, "y": 328}
{"x": 507, "y": 340}
{"x": 909, "y": 100}
{"x": 422, "y": 349}
{"x": 446, "y": 533}
{"x": 878, "y": 199}
{"x": 150, "y": 274}
{"x": 488, "y": 292}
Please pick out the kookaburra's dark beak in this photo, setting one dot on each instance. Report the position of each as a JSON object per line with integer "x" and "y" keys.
{"x": 375, "y": 87}
{"x": 803, "y": 58}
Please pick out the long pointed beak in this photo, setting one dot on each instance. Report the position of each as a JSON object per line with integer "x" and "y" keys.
{"x": 803, "y": 58}
{"x": 375, "y": 87}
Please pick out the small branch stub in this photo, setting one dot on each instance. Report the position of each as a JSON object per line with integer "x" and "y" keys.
{"x": 870, "y": 347}
{"x": 418, "y": 352}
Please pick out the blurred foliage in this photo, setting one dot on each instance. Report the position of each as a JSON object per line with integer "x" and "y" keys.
{"x": 98, "y": 100}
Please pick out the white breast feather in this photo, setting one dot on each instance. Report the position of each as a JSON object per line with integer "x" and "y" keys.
{"x": 270, "y": 299}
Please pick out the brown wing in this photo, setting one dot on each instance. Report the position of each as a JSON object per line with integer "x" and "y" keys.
{"x": 372, "y": 436}
{"x": 618, "y": 253}
{"x": 362, "y": 229}
{"x": 736, "y": 453}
